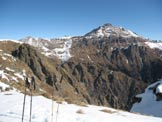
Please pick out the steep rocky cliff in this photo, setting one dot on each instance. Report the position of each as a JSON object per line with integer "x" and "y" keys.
{"x": 106, "y": 70}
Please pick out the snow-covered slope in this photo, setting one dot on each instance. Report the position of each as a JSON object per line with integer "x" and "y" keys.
{"x": 16, "y": 41}
{"x": 149, "y": 104}
{"x": 36, "y": 42}
{"x": 52, "y": 47}
{"x": 3, "y": 86}
{"x": 107, "y": 30}
{"x": 7, "y": 57}
{"x": 64, "y": 52}
{"x": 11, "y": 105}
{"x": 154, "y": 44}
{"x": 6, "y": 71}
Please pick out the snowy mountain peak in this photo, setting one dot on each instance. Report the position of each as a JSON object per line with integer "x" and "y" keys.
{"x": 107, "y": 30}
{"x": 107, "y": 25}
{"x": 29, "y": 40}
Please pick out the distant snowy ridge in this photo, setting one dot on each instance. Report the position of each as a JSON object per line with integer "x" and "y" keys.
{"x": 59, "y": 47}
{"x": 36, "y": 42}
{"x": 11, "y": 40}
{"x": 149, "y": 104}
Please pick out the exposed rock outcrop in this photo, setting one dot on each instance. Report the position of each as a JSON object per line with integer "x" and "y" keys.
{"x": 108, "y": 70}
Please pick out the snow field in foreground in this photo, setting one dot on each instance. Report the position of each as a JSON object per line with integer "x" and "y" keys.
{"x": 12, "y": 103}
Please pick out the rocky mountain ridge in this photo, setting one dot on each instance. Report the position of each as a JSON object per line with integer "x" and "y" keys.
{"x": 108, "y": 70}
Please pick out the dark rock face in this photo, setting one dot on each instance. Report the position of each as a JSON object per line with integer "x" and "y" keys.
{"x": 36, "y": 61}
{"x": 119, "y": 69}
{"x": 108, "y": 71}
{"x": 136, "y": 100}
{"x": 158, "y": 96}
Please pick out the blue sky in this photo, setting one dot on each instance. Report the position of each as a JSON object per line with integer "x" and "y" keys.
{"x": 56, "y": 18}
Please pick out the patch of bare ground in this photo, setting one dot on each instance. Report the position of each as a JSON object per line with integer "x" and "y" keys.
{"x": 80, "y": 111}
{"x": 108, "y": 111}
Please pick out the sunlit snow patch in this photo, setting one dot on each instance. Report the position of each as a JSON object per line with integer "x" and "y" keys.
{"x": 3, "y": 86}
{"x": 64, "y": 52}
{"x": 154, "y": 45}
{"x": 149, "y": 104}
